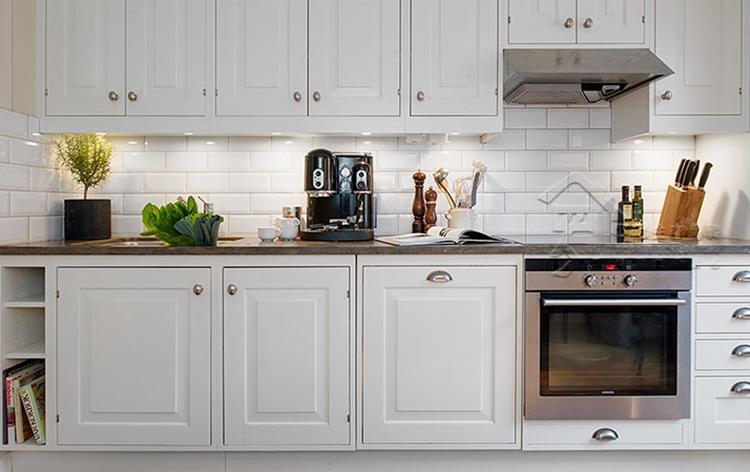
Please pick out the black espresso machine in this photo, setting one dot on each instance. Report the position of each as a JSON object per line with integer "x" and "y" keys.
{"x": 340, "y": 202}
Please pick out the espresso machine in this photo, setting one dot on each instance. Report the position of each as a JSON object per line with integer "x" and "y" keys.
{"x": 340, "y": 202}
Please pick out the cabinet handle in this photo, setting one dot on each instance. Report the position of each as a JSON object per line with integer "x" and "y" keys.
{"x": 666, "y": 96}
{"x": 197, "y": 289}
{"x": 113, "y": 96}
{"x": 741, "y": 388}
{"x": 132, "y": 96}
{"x": 439, "y": 277}
{"x": 232, "y": 289}
{"x": 588, "y": 24}
{"x": 605, "y": 435}
{"x": 742, "y": 276}
{"x": 420, "y": 96}
{"x": 742, "y": 350}
{"x": 742, "y": 314}
{"x": 316, "y": 96}
{"x": 297, "y": 97}
{"x": 569, "y": 23}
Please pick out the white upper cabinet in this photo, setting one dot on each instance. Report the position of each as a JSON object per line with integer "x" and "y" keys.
{"x": 261, "y": 57}
{"x": 454, "y": 57}
{"x": 611, "y": 21}
{"x": 166, "y": 57}
{"x": 439, "y": 357}
{"x": 354, "y": 57}
{"x": 702, "y": 42}
{"x": 134, "y": 356}
{"x": 542, "y": 21}
{"x": 287, "y": 358}
{"x": 85, "y": 50}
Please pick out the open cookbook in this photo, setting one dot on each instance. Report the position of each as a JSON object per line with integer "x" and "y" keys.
{"x": 441, "y": 235}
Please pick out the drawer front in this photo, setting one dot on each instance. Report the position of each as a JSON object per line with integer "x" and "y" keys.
{"x": 580, "y": 434}
{"x": 722, "y": 318}
{"x": 722, "y": 416}
{"x": 718, "y": 281}
{"x": 725, "y": 354}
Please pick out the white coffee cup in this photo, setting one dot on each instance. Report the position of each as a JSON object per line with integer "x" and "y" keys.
{"x": 267, "y": 233}
{"x": 461, "y": 218}
{"x": 288, "y": 228}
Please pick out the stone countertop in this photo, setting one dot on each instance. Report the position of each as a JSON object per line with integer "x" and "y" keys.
{"x": 528, "y": 245}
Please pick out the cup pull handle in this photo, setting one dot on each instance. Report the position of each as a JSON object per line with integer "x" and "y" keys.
{"x": 605, "y": 435}
{"x": 439, "y": 277}
{"x": 741, "y": 387}
{"x": 742, "y": 350}
{"x": 742, "y": 276}
{"x": 742, "y": 314}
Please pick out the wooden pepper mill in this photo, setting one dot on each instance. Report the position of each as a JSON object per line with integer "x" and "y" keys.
{"x": 430, "y": 216}
{"x": 417, "y": 206}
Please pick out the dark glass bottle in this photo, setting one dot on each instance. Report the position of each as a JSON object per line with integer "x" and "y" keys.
{"x": 624, "y": 212}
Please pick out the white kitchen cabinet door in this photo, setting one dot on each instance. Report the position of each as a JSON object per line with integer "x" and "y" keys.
{"x": 134, "y": 356}
{"x": 85, "y": 57}
{"x": 439, "y": 356}
{"x": 611, "y": 21}
{"x": 287, "y": 357}
{"x": 166, "y": 58}
{"x": 354, "y": 57}
{"x": 454, "y": 54}
{"x": 261, "y": 57}
{"x": 702, "y": 42}
{"x": 542, "y": 21}
{"x": 722, "y": 416}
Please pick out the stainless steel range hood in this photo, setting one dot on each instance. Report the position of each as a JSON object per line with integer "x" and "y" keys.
{"x": 577, "y": 76}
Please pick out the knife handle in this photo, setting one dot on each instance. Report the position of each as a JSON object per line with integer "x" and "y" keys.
{"x": 704, "y": 175}
{"x": 680, "y": 170}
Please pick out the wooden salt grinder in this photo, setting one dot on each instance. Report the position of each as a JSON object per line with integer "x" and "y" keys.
{"x": 417, "y": 206}
{"x": 430, "y": 216}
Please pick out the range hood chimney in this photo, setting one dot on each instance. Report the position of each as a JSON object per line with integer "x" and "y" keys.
{"x": 577, "y": 76}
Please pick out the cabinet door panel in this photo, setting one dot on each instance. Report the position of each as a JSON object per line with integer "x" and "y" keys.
{"x": 542, "y": 21}
{"x": 354, "y": 57}
{"x": 454, "y": 57}
{"x": 261, "y": 57}
{"x": 612, "y": 21}
{"x": 166, "y": 57}
{"x": 439, "y": 359}
{"x": 721, "y": 416}
{"x": 702, "y": 42}
{"x": 85, "y": 53}
{"x": 134, "y": 357}
{"x": 287, "y": 338}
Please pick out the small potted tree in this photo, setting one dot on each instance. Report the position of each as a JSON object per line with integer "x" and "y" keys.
{"x": 87, "y": 157}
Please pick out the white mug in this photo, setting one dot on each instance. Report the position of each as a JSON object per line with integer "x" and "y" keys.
{"x": 267, "y": 233}
{"x": 288, "y": 228}
{"x": 461, "y": 218}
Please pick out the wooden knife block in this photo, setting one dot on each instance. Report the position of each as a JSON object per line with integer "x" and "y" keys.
{"x": 679, "y": 216}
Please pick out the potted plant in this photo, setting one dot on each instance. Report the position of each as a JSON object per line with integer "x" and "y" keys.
{"x": 87, "y": 157}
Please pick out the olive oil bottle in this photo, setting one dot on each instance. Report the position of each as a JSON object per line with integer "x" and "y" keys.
{"x": 624, "y": 212}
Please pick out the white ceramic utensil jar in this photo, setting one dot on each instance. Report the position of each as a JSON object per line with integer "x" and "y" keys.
{"x": 461, "y": 218}
{"x": 288, "y": 228}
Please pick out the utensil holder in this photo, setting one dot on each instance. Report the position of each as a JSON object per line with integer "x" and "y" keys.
{"x": 680, "y": 213}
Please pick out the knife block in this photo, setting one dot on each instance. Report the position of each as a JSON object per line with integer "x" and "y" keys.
{"x": 679, "y": 216}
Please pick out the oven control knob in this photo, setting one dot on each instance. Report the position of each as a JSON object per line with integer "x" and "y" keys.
{"x": 630, "y": 280}
{"x": 590, "y": 280}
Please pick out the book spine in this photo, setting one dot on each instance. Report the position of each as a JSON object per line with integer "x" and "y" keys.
{"x": 10, "y": 419}
{"x": 26, "y": 393}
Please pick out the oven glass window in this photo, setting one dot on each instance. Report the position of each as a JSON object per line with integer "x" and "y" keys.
{"x": 608, "y": 351}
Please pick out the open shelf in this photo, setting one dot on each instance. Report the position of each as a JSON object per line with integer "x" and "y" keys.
{"x": 35, "y": 300}
{"x": 34, "y": 350}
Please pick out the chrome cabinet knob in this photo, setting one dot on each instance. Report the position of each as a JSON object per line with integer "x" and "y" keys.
{"x": 590, "y": 280}
{"x": 741, "y": 314}
{"x": 588, "y": 23}
{"x": 630, "y": 280}
{"x": 742, "y": 350}
{"x": 741, "y": 388}
{"x": 742, "y": 276}
{"x": 232, "y": 289}
{"x": 420, "y": 96}
{"x": 316, "y": 96}
{"x": 297, "y": 97}
{"x": 439, "y": 277}
{"x": 666, "y": 96}
{"x": 113, "y": 96}
{"x": 605, "y": 435}
{"x": 197, "y": 289}
{"x": 132, "y": 96}
{"x": 569, "y": 23}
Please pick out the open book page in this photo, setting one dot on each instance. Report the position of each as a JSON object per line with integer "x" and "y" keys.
{"x": 441, "y": 235}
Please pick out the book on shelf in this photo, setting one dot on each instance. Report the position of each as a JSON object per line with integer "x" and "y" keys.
{"x": 441, "y": 235}
{"x": 33, "y": 399}
{"x": 13, "y": 378}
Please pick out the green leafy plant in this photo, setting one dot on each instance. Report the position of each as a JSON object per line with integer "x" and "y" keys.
{"x": 87, "y": 157}
{"x": 180, "y": 224}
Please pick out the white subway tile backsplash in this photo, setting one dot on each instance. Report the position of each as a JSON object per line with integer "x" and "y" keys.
{"x": 568, "y": 203}
{"x": 394, "y": 202}
{"x": 335, "y": 144}
{"x": 186, "y": 161}
{"x": 589, "y": 181}
{"x": 289, "y": 143}
{"x": 28, "y": 153}
{"x": 600, "y": 118}
{"x": 208, "y": 182}
{"x": 127, "y": 143}
{"x": 461, "y": 143}
{"x": 45, "y": 228}
{"x": 589, "y": 139}
{"x": 14, "y": 230}
{"x": 4, "y": 150}
{"x": 568, "y": 160}
{"x": 386, "y": 182}
{"x": 525, "y": 160}
{"x": 653, "y": 160}
{"x": 546, "y": 139}
{"x": 28, "y": 203}
{"x": 144, "y": 161}
{"x": 491, "y": 203}
{"x": 133, "y": 204}
{"x": 230, "y": 203}
{"x": 271, "y": 161}
{"x": 249, "y": 143}
{"x": 164, "y": 182}
{"x": 45, "y": 179}
{"x": 432, "y": 161}
{"x": 370, "y": 144}
{"x": 611, "y": 160}
{"x": 127, "y": 224}
{"x": 4, "y": 203}
{"x": 524, "y": 203}
{"x": 167, "y": 143}
{"x": 14, "y": 176}
{"x": 564, "y": 118}
{"x": 287, "y": 182}
{"x": 678, "y": 143}
{"x": 388, "y": 224}
{"x": 270, "y": 203}
{"x": 494, "y": 160}
{"x": 505, "y": 182}
{"x": 546, "y": 181}
{"x": 396, "y": 161}
{"x": 250, "y": 182}
{"x": 247, "y": 224}
{"x": 641, "y": 142}
{"x": 210, "y": 143}
{"x": 546, "y": 224}
{"x": 229, "y": 161}
{"x": 525, "y": 118}
{"x": 644, "y": 179}
{"x": 505, "y": 224}
{"x": 507, "y": 140}
{"x": 123, "y": 183}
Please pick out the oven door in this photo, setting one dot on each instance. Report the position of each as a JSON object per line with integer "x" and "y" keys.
{"x": 610, "y": 355}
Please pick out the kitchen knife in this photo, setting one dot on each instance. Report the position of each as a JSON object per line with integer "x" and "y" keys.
{"x": 686, "y": 175}
{"x": 694, "y": 175}
{"x": 704, "y": 175}
{"x": 680, "y": 169}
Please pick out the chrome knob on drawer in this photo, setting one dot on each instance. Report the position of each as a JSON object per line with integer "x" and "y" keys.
{"x": 569, "y": 23}
{"x": 440, "y": 277}
{"x": 741, "y": 388}
{"x": 742, "y": 276}
{"x": 232, "y": 289}
{"x": 742, "y": 350}
{"x": 605, "y": 435}
{"x": 741, "y": 314}
{"x": 197, "y": 289}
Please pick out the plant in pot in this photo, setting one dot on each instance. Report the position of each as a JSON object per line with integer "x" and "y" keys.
{"x": 87, "y": 157}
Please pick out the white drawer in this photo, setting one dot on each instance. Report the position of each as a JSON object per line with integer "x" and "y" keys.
{"x": 722, "y": 318}
{"x": 579, "y": 434}
{"x": 717, "y": 281}
{"x": 721, "y": 415}
{"x": 725, "y": 354}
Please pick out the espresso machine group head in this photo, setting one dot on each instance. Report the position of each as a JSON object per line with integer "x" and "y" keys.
{"x": 340, "y": 202}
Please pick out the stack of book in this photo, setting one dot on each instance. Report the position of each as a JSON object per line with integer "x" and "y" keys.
{"x": 23, "y": 409}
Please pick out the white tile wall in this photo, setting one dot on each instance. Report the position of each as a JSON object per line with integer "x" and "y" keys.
{"x": 543, "y": 151}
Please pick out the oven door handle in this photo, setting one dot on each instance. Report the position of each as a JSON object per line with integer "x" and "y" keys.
{"x": 615, "y": 302}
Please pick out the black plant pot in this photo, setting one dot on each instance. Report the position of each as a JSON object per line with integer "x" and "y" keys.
{"x": 88, "y": 220}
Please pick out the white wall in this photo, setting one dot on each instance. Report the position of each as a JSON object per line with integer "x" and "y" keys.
{"x": 726, "y": 209}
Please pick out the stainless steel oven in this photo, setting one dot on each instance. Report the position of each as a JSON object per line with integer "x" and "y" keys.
{"x": 607, "y": 338}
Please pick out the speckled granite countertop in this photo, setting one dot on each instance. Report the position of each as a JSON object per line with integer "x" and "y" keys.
{"x": 535, "y": 245}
